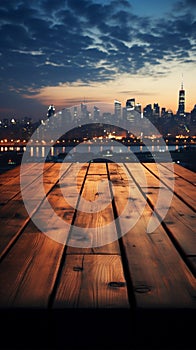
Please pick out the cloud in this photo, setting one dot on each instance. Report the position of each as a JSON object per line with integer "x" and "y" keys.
{"x": 184, "y": 4}
{"x": 46, "y": 43}
{"x": 135, "y": 92}
{"x": 33, "y": 53}
{"x": 76, "y": 101}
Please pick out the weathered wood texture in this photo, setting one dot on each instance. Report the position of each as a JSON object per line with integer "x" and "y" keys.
{"x": 85, "y": 244}
{"x": 89, "y": 281}
{"x": 186, "y": 174}
{"x": 156, "y": 268}
{"x": 180, "y": 220}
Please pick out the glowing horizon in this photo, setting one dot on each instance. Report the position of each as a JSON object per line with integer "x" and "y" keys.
{"x": 164, "y": 91}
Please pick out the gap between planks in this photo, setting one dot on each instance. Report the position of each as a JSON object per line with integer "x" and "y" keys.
{"x": 182, "y": 188}
{"x": 155, "y": 266}
{"x": 14, "y": 227}
{"x": 178, "y": 220}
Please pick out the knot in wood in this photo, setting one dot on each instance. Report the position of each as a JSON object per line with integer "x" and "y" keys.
{"x": 142, "y": 289}
{"x": 77, "y": 268}
{"x": 116, "y": 284}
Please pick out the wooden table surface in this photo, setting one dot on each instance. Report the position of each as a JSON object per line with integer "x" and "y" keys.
{"x": 101, "y": 288}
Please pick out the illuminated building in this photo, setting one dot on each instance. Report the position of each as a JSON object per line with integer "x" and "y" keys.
{"x": 130, "y": 103}
{"x": 138, "y": 108}
{"x": 156, "y": 110}
{"x": 96, "y": 113}
{"x": 117, "y": 109}
{"x": 130, "y": 107}
{"x": 193, "y": 121}
{"x": 148, "y": 111}
{"x": 181, "y": 102}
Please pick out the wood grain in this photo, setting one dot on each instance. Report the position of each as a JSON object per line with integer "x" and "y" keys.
{"x": 11, "y": 188}
{"x": 92, "y": 281}
{"x": 94, "y": 227}
{"x": 156, "y": 269}
{"x": 13, "y": 214}
{"x": 179, "y": 219}
{"x": 182, "y": 188}
{"x": 37, "y": 271}
{"x": 186, "y": 174}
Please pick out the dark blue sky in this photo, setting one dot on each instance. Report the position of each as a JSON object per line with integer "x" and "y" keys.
{"x": 47, "y": 43}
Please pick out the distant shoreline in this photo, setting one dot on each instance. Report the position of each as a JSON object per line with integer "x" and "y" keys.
{"x": 184, "y": 157}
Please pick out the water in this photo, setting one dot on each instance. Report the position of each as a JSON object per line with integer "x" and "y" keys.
{"x": 182, "y": 154}
{"x": 53, "y": 151}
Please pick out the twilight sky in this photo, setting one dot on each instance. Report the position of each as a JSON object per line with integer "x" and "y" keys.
{"x": 65, "y": 51}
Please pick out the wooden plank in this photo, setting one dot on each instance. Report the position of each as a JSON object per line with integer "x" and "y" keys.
{"x": 9, "y": 174}
{"x": 179, "y": 219}
{"x": 160, "y": 277}
{"x": 92, "y": 281}
{"x": 28, "y": 272}
{"x": 94, "y": 227}
{"x": 97, "y": 168}
{"x": 12, "y": 188}
{"x": 192, "y": 262}
{"x": 30, "y": 280}
{"x": 31, "y": 273}
{"x": 186, "y": 174}
{"x": 155, "y": 266}
{"x": 56, "y": 221}
{"x": 12, "y": 174}
{"x": 14, "y": 216}
{"x": 183, "y": 189}
{"x": 99, "y": 173}
{"x": 35, "y": 184}
{"x": 156, "y": 269}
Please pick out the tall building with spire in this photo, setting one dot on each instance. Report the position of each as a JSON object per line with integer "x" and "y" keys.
{"x": 181, "y": 102}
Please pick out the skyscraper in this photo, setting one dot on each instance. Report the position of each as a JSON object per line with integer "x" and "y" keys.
{"x": 117, "y": 109}
{"x": 96, "y": 113}
{"x": 148, "y": 111}
{"x": 138, "y": 107}
{"x": 181, "y": 102}
{"x": 130, "y": 103}
{"x": 193, "y": 121}
{"x": 130, "y": 107}
{"x": 156, "y": 110}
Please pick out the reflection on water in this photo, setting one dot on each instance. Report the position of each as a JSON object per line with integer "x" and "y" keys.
{"x": 53, "y": 151}
{"x": 41, "y": 151}
{"x": 181, "y": 154}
